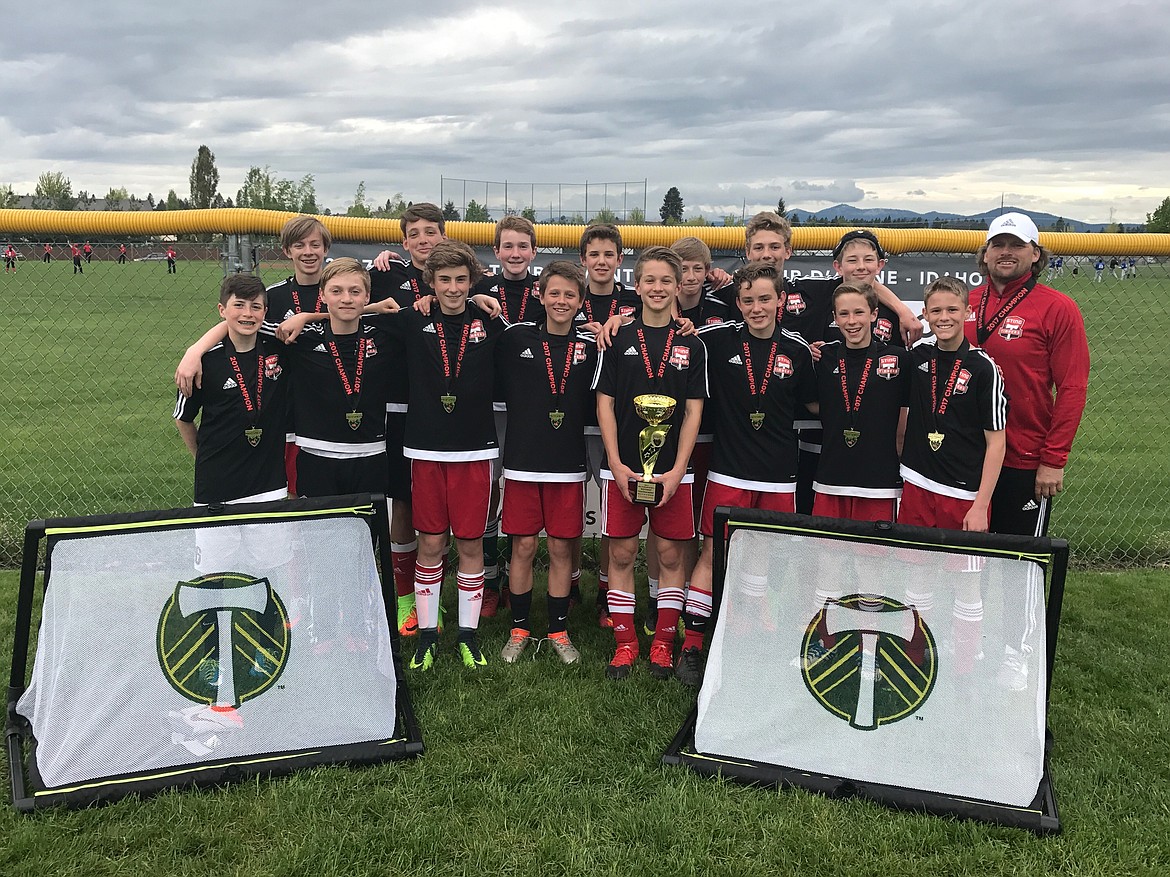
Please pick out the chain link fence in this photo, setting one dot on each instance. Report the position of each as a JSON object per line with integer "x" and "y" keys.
{"x": 86, "y": 394}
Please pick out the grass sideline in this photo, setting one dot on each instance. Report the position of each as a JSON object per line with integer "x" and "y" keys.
{"x": 543, "y": 769}
{"x": 88, "y": 395}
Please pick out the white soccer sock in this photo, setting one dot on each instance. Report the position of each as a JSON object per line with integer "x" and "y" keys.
{"x": 428, "y": 580}
{"x": 470, "y": 599}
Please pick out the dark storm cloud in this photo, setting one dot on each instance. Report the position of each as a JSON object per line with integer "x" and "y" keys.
{"x": 728, "y": 101}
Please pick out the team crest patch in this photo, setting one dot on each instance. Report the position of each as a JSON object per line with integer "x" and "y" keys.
{"x": 680, "y": 357}
{"x": 371, "y": 350}
{"x": 888, "y": 367}
{"x": 713, "y": 321}
{"x": 625, "y": 311}
{"x": 579, "y": 353}
{"x": 272, "y": 367}
{"x": 962, "y": 382}
{"x": 477, "y": 332}
{"x": 783, "y": 367}
{"x": 795, "y": 303}
{"x": 883, "y": 329}
{"x": 1013, "y": 327}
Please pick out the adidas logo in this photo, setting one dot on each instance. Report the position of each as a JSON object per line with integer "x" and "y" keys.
{"x": 320, "y": 348}
{"x": 527, "y": 354}
{"x": 630, "y": 351}
{"x": 289, "y": 313}
{"x": 429, "y": 327}
{"x": 405, "y": 285}
{"x": 736, "y": 360}
{"x": 837, "y": 370}
{"x": 1030, "y": 505}
{"x": 925, "y": 367}
{"x": 230, "y": 384}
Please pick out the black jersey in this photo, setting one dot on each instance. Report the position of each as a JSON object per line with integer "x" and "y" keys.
{"x": 759, "y": 387}
{"x": 859, "y": 453}
{"x": 623, "y": 301}
{"x": 404, "y": 283}
{"x": 519, "y": 301}
{"x": 547, "y": 382}
{"x": 289, "y": 298}
{"x": 651, "y": 359}
{"x": 450, "y": 358}
{"x": 232, "y": 461}
{"x": 340, "y": 386}
{"x": 955, "y": 396}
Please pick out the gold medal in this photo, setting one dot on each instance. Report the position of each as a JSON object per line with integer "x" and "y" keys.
{"x": 556, "y": 418}
{"x": 448, "y": 403}
{"x": 253, "y": 435}
{"x": 757, "y": 418}
{"x": 935, "y": 439}
{"x": 354, "y": 419}
{"x": 851, "y": 437}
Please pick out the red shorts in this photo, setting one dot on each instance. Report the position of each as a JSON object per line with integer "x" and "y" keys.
{"x": 739, "y": 498}
{"x": 622, "y": 519}
{"x": 853, "y": 508}
{"x": 557, "y": 507}
{"x": 290, "y": 466}
{"x": 451, "y": 495}
{"x": 700, "y": 465}
{"x": 925, "y": 508}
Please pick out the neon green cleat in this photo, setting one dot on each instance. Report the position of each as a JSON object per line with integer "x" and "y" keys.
{"x": 407, "y": 615}
{"x": 470, "y": 652}
{"x": 424, "y": 656}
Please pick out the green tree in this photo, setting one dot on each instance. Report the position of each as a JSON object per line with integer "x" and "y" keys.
{"x": 697, "y": 220}
{"x": 8, "y": 198}
{"x": 732, "y": 219}
{"x": 637, "y": 216}
{"x": 1159, "y": 220}
{"x": 359, "y": 208}
{"x": 450, "y": 212}
{"x": 781, "y": 208}
{"x": 605, "y": 215}
{"x": 306, "y": 195}
{"x": 204, "y": 179}
{"x": 529, "y": 213}
{"x": 54, "y": 190}
{"x": 393, "y": 208}
{"x": 173, "y": 202}
{"x": 476, "y": 213}
{"x": 116, "y": 199}
{"x": 257, "y": 189}
{"x": 672, "y": 206}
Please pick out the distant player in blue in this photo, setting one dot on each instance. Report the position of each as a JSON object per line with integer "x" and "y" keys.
{"x": 1131, "y": 265}
{"x": 1099, "y": 267}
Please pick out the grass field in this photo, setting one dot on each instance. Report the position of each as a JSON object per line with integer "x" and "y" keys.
{"x": 87, "y": 396}
{"x": 543, "y": 769}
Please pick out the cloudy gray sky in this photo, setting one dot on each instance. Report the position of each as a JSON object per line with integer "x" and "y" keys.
{"x": 1062, "y": 107}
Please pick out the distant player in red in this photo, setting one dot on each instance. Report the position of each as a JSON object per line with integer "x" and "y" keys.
{"x": 9, "y": 259}
{"x": 76, "y": 250}
{"x": 121, "y": 254}
{"x": 171, "y": 260}
{"x": 48, "y": 255}
{"x": 88, "y": 251}
{"x": 1036, "y": 335}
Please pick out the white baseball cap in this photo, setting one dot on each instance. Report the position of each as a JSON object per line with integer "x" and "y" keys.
{"x": 1015, "y": 224}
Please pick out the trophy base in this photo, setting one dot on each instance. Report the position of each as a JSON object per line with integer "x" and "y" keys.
{"x": 645, "y": 492}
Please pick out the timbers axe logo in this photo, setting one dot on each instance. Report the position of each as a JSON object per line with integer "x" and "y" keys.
{"x": 223, "y": 639}
{"x": 869, "y": 660}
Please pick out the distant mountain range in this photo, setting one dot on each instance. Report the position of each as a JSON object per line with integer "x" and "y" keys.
{"x": 867, "y": 215}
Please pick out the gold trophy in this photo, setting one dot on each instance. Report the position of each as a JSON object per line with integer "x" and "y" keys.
{"x": 655, "y": 409}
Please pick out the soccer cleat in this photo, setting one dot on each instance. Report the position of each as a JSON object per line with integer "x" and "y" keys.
{"x": 661, "y": 660}
{"x": 517, "y": 642}
{"x": 470, "y": 652}
{"x": 689, "y": 669}
{"x": 622, "y": 662}
{"x": 1013, "y": 672}
{"x": 407, "y": 615}
{"x": 424, "y": 656}
{"x": 490, "y": 604}
{"x": 650, "y": 622}
{"x": 604, "y": 619}
{"x": 564, "y": 648}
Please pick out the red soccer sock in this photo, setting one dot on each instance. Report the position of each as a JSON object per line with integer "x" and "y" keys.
{"x": 402, "y": 558}
{"x": 621, "y": 609}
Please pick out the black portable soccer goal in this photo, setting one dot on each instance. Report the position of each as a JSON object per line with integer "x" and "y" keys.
{"x": 906, "y": 665}
{"x": 201, "y": 645}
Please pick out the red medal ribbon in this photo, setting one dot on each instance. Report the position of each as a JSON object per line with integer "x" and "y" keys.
{"x": 940, "y": 408}
{"x": 524, "y": 296}
{"x": 751, "y": 375}
{"x": 248, "y": 405}
{"x": 985, "y": 328}
{"x": 552, "y": 380}
{"x": 354, "y": 389}
{"x": 646, "y": 355}
{"x": 612, "y": 308}
{"x": 443, "y": 350}
{"x": 297, "y": 299}
{"x": 853, "y": 407}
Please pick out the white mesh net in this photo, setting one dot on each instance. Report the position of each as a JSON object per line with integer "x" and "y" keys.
{"x": 879, "y": 664}
{"x": 128, "y": 674}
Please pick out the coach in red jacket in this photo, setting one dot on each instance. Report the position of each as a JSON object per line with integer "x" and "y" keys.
{"x": 1036, "y": 336}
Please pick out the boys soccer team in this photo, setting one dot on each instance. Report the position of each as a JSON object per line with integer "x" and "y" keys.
{"x": 396, "y": 381}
